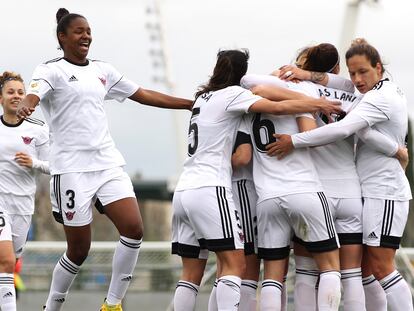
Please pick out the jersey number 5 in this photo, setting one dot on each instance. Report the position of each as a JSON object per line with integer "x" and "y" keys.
{"x": 193, "y": 133}
{"x": 263, "y": 131}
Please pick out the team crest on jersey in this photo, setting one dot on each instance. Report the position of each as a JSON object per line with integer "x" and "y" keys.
{"x": 27, "y": 140}
{"x": 69, "y": 215}
{"x": 103, "y": 80}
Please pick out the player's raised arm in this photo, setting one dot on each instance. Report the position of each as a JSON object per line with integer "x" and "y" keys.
{"x": 296, "y": 106}
{"x": 157, "y": 99}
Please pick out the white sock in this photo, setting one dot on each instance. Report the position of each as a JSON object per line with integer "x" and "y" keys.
{"x": 123, "y": 265}
{"x": 307, "y": 274}
{"x": 185, "y": 296}
{"x": 248, "y": 295}
{"x": 228, "y": 293}
{"x": 63, "y": 275}
{"x": 271, "y": 295}
{"x": 7, "y": 292}
{"x": 398, "y": 293}
{"x": 329, "y": 292}
{"x": 284, "y": 297}
{"x": 354, "y": 298}
{"x": 375, "y": 298}
{"x": 212, "y": 301}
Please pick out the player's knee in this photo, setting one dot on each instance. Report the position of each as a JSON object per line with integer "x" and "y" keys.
{"x": 134, "y": 230}
{"x": 7, "y": 263}
{"x": 381, "y": 269}
{"x": 79, "y": 253}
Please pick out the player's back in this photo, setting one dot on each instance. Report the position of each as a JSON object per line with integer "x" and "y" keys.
{"x": 214, "y": 122}
{"x": 292, "y": 174}
{"x": 334, "y": 162}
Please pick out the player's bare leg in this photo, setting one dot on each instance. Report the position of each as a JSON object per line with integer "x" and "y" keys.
{"x": 7, "y": 262}
{"x": 188, "y": 285}
{"x": 126, "y": 217}
{"x": 233, "y": 266}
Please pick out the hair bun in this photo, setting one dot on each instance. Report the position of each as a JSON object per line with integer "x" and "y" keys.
{"x": 60, "y": 14}
{"x": 359, "y": 41}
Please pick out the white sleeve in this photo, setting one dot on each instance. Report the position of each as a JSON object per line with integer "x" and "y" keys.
{"x": 244, "y": 125}
{"x": 41, "y": 163}
{"x": 117, "y": 86}
{"x": 43, "y": 81}
{"x": 240, "y": 100}
{"x": 373, "y": 108}
{"x": 340, "y": 83}
{"x": 378, "y": 141}
{"x": 305, "y": 115}
{"x": 330, "y": 132}
{"x": 252, "y": 80}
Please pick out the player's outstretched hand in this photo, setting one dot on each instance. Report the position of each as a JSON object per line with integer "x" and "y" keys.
{"x": 23, "y": 112}
{"x": 293, "y": 73}
{"x": 23, "y": 159}
{"x": 331, "y": 107}
{"x": 281, "y": 147}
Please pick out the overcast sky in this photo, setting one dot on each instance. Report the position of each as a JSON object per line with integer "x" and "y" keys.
{"x": 153, "y": 140}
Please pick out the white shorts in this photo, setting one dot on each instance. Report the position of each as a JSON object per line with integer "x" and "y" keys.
{"x": 384, "y": 222}
{"x": 73, "y": 194}
{"x": 205, "y": 219}
{"x": 20, "y": 225}
{"x": 245, "y": 199}
{"x": 307, "y": 215}
{"x": 5, "y": 227}
{"x": 347, "y": 215}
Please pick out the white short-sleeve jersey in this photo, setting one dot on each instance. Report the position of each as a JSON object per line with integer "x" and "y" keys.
{"x": 244, "y": 172}
{"x": 334, "y": 162}
{"x": 72, "y": 99}
{"x": 215, "y": 119}
{"x": 385, "y": 110}
{"x": 27, "y": 136}
{"x": 272, "y": 177}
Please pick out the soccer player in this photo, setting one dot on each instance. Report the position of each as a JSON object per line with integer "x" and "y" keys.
{"x": 24, "y": 148}
{"x": 204, "y": 216}
{"x": 336, "y": 170}
{"x": 385, "y": 188}
{"x": 245, "y": 198}
{"x": 84, "y": 161}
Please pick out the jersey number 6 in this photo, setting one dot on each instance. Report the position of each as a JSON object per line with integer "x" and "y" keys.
{"x": 263, "y": 131}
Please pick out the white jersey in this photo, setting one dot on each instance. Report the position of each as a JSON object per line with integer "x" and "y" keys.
{"x": 72, "y": 99}
{"x": 243, "y": 137}
{"x": 17, "y": 183}
{"x": 272, "y": 177}
{"x": 385, "y": 110}
{"x": 334, "y": 162}
{"x": 216, "y": 118}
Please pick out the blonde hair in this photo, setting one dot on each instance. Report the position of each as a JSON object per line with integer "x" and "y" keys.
{"x": 9, "y": 76}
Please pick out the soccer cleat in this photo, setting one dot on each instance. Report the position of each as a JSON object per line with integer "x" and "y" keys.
{"x": 106, "y": 307}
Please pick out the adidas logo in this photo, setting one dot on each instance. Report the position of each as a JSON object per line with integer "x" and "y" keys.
{"x": 61, "y": 300}
{"x": 372, "y": 235}
{"x": 9, "y": 294}
{"x": 127, "y": 279}
{"x": 72, "y": 79}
